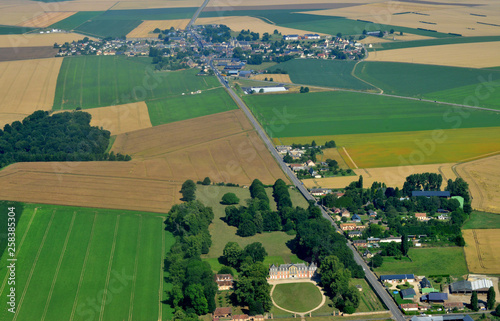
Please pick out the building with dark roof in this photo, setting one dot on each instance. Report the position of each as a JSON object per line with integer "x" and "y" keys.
{"x": 434, "y": 297}
{"x": 442, "y": 318}
{"x": 468, "y": 286}
{"x": 397, "y": 278}
{"x": 431, "y": 193}
{"x": 407, "y": 293}
{"x": 425, "y": 283}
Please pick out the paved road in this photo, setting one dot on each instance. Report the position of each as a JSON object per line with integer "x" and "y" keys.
{"x": 196, "y": 14}
{"x": 382, "y": 293}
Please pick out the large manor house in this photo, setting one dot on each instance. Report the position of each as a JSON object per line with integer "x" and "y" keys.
{"x": 292, "y": 271}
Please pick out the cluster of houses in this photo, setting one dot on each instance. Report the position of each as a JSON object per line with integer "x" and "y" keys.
{"x": 308, "y": 36}
{"x": 429, "y": 297}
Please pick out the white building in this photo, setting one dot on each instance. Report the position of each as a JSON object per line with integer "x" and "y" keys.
{"x": 269, "y": 89}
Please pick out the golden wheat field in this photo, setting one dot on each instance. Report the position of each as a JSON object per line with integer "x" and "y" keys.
{"x": 457, "y": 55}
{"x": 46, "y": 19}
{"x": 481, "y": 250}
{"x": 483, "y": 177}
{"x": 150, "y": 4}
{"x": 27, "y": 86}
{"x": 391, "y": 176}
{"x": 145, "y": 29}
{"x": 285, "y": 78}
{"x": 246, "y": 22}
{"x": 38, "y": 40}
{"x": 120, "y": 119}
{"x": 223, "y": 147}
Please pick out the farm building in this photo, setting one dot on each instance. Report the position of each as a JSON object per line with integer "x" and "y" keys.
{"x": 270, "y": 89}
{"x": 391, "y": 239}
{"x": 320, "y": 191}
{"x": 430, "y": 193}
{"x": 409, "y": 306}
{"x": 311, "y": 36}
{"x": 396, "y": 278}
{"x": 407, "y": 294}
{"x": 468, "y": 286}
{"x": 223, "y": 313}
{"x": 425, "y": 283}
{"x": 442, "y": 318}
{"x": 428, "y": 290}
{"x": 434, "y": 297}
{"x": 291, "y": 37}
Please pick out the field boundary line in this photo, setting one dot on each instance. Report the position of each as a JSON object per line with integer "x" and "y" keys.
{"x": 136, "y": 264}
{"x": 83, "y": 268}
{"x": 366, "y": 82}
{"x": 345, "y": 151}
{"x": 49, "y": 297}
{"x": 23, "y": 94}
{"x": 64, "y": 83}
{"x": 110, "y": 264}
{"x": 19, "y": 248}
{"x": 478, "y": 249}
{"x": 162, "y": 273}
{"x": 263, "y": 161}
{"x": 35, "y": 261}
{"x": 99, "y": 82}
{"x": 240, "y": 160}
{"x": 81, "y": 80}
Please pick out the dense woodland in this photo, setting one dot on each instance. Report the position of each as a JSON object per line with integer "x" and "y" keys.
{"x": 65, "y": 136}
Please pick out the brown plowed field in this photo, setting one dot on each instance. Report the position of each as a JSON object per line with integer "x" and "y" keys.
{"x": 25, "y": 53}
{"x": 223, "y": 147}
{"x": 483, "y": 176}
{"x": 481, "y": 250}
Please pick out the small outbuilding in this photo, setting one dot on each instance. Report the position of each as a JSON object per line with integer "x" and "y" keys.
{"x": 407, "y": 294}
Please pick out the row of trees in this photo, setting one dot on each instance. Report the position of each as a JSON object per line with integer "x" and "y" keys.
{"x": 64, "y": 136}
{"x": 423, "y": 181}
{"x": 193, "y": 291}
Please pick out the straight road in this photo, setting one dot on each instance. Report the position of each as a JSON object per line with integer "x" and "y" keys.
{"x": 370, "y": 277}
{"x": 196, "y": 14}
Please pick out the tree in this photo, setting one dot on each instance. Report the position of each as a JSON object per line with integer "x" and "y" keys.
{"x": 377, "y": 260}
{"x": 306, "y": 89}
{"x": 256, "y": 251}
{"x": 490, "y": 299}
{"x": 339, "y": 35}
{"x": 230, "y": 199}
{"x": 360, "y": 181}
{"x": 391, "y": 31}
{"x": 231, "y": 254}
{"x": 226, "y": 270}
{"x": 261, "y": 91}
{"x": 188, "y": 190}
{"x": 405, "y": 245}
{"x": 194, "y": 292}
{"x": 271, "y": 79}
{"x": 247, "y": 228}
{"x": 474, "y": 302}
{"x": 497, "y": 310}
{"x": 206, "y": 181}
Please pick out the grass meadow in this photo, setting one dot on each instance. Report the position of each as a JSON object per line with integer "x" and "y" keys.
{"x": 482, "y": 220}
{"x": 328, "y": 73}
{"x": 369, "y": 300}
{"x": 167, "y": 110}
{"x": 427, "y": 261}
{"x": 298, "y": 297}
{"x": 87, "y": 264}
{"x": 411, "y": 148}
{"x": 469, "y": 86}
{"x": 273, "y": 242}
{"x": 99, "y": 81}
{"x": 341, "y": 113}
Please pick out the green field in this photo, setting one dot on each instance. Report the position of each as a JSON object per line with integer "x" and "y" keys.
{"x": 79, "y": 18}
{"x": 411, "y": 148}
{"x": 297, "y": 297}
{"x": 369, "y": 300}
{"x": 337, "y": 113}
{"x": 482, "y": 220}
{"x": 82, "y": 263}
{"x": 14, "y": 30}
{"x": 177, "y": 108}
{"x": 274, "y": 242}
{"x": 98, "y": 81}
{"x": 327, "y": 73}
{"x": 431, "y": 42}
{"x": 108, "y": 28}
{"x": 427, "y": 261}
{"x": 469, "y": 86}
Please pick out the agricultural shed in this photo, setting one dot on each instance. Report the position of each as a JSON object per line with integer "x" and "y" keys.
{"x": 431, "y": 193}
{"x": 408, "y": 293}
{"x": 397, "y": 277}
{"x": 269, "y": 89}
{"x": 481, "y": 285}
{"x": 435, "y": 297}
{"x": 461, "y": 286}
{"x": 429, "y": 290}
{"x": 442, "y": 318}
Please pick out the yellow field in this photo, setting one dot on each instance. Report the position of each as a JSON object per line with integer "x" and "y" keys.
{"x": 245, "y": 22}
{"x": 412, "y": 148}
{"x": 146, "y": 28}
{"x": 149, "y": 4}
{"x": 27, "y": 86}
{"x": 225, "y": 3}
{"x": 276, "y": 77}
{"x": 483, "y": 177}
{"x": 38, "y": 40}
{"x": 46, "y": 19}
{"x": 393, "y": 37}
{"x": 391, "y": 176}
{"x": 332, "y": 153}
{"x": 458, "y": 55}
{"x": 444, "y": 18}
{"x": 481, "y": 250}
{"x": 120, "y": 119}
